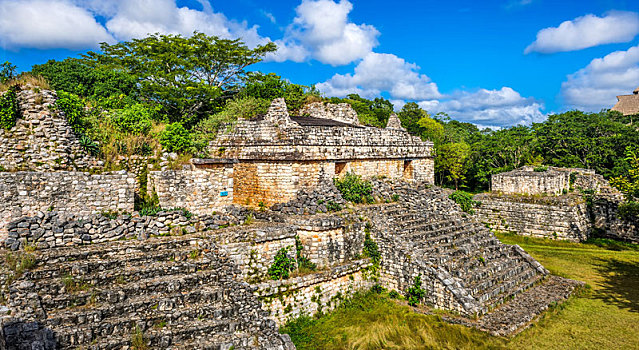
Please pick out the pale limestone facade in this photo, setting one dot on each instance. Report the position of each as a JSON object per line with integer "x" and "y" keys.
{"x": 278, "y": 155}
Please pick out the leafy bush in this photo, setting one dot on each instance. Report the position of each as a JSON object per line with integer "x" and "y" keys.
{"x": 175, "y": 138}
{"x": 465, "y": 201}
{"x": 150, "y": 211}
{"x": 541, "y": 169}
{"x": 7, "y": 71}
{"x": 377, "y": 289}
{"x": 135, "y": 119}
{"x": 354, "y": 189}
{"x": 393, "y": 294}
{"x": 282, "y": 266}
{"x": 333, "y": 206}
{"x": 73, "y": 108}
{"x": 628, "y": 210}
{"x": 415, "y": 293}
{"x": 245, "y": 108}
{"x": 89, "y": 145}
{"x": 9, "y": 110}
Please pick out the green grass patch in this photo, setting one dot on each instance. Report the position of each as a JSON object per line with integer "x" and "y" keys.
{"x": 604, "y": 315}
{"x": 374, "y": 321}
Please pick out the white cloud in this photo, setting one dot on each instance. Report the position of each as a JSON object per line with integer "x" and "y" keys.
{"x": 45, "y": 24}
{"x": 377, "y": 73}
{"x": 72, "y": 24}
{"x": 489, "y": 108}
{"x": 595, "y": 86}
{"x": 322, "y": 26}
{"x": 587, "y": 31}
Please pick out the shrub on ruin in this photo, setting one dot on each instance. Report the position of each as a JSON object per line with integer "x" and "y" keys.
{"x": 628, "y": 210}
{"x": 282, "y": 266}
{"x": 175, "y": 138}
{"x": 541, "y": 169}
{"x": 73, "y": 108}
{"x": 354, "y": 189}
{"x": 134, "y": 119}
{"x": 9, "y": 110}
{"x": 465, "y": 201}
{"x": 415, "y": 293}
{"x": 89, "y": 145}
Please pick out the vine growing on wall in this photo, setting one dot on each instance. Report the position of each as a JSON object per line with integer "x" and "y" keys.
{"x": 9, "y": 110}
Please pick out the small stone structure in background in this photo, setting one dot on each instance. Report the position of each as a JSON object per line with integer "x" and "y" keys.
{"x": 558, "y": 203}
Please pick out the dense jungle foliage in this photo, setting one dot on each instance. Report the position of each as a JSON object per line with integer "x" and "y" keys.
{"x": 174, "y": 93}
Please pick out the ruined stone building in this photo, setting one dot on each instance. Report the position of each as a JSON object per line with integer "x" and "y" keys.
{"x": 557, "y": 203}
{"x": 628, "y": 104}
{"x": 269, "y": 160}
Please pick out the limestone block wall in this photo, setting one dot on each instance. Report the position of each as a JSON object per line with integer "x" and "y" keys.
{"x": 609, "y": 224}
{"x": 272, "y": 182}
{"x": 41, "y": 140}
{"x": 563, "y": 217}
{"x": 253, "y": 248}
{"x": 201, "y": 191}
{"x": 328, "y": 241}
{"x": 389, "y": 168}
{"x": 307, "y": 295}
{"x": 26, "y": 193}
{"x": 53, "y": 229}
{"x": 531, "y": 182}
{"x": 424, "y": 170}
{"x": 342, "y": 112}
{"x": 399, "y": 268}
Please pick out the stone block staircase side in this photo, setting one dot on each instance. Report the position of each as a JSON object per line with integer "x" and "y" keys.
{"x": 179, "y": 292}
{"x": 463, "y": 265}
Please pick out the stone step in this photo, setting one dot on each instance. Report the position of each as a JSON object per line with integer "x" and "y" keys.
{"x": 508, "y": 287}
{"x": 143, "y": 306}
{"x": 118, "y": 334}
{"x": 129, "y": 274}
{"x": 481, "y": 279}
{"x": 116, "y": 262}
{"x": 119, "y": 248}
{"x": 120, "y": 293}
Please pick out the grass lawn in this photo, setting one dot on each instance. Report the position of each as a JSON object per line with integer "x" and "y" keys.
{"x": 605, "y": 315}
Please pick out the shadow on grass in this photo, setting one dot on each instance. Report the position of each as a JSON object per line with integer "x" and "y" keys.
{"x": 621, "y": 283}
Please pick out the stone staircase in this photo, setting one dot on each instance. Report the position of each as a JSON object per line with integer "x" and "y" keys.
{"x": 172, "y": 292}
{"x": 452, "y": 250}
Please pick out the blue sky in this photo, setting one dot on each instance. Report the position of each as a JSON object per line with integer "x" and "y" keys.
{"x": 492, "y": 63}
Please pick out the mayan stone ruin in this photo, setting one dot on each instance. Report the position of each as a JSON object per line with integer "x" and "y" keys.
{"x": 549, "y": 202}
{"x": 196, "y": 277}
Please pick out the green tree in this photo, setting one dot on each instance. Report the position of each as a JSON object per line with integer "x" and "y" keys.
{"x": 175, "y": 138}
{"x": 7, "y": 71}
{"x": 410, "y": 115}
{"x": 431, "y": 129}
{"x": 77, "y": 77}
{"x": 629, "y": 184}
{"x": 370, "y": 112}
{"x": 187, "y": 76}
{"x": 450, "y": 162}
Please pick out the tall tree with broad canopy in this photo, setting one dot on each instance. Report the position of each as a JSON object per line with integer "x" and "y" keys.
{"x": 186, "y": 76}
